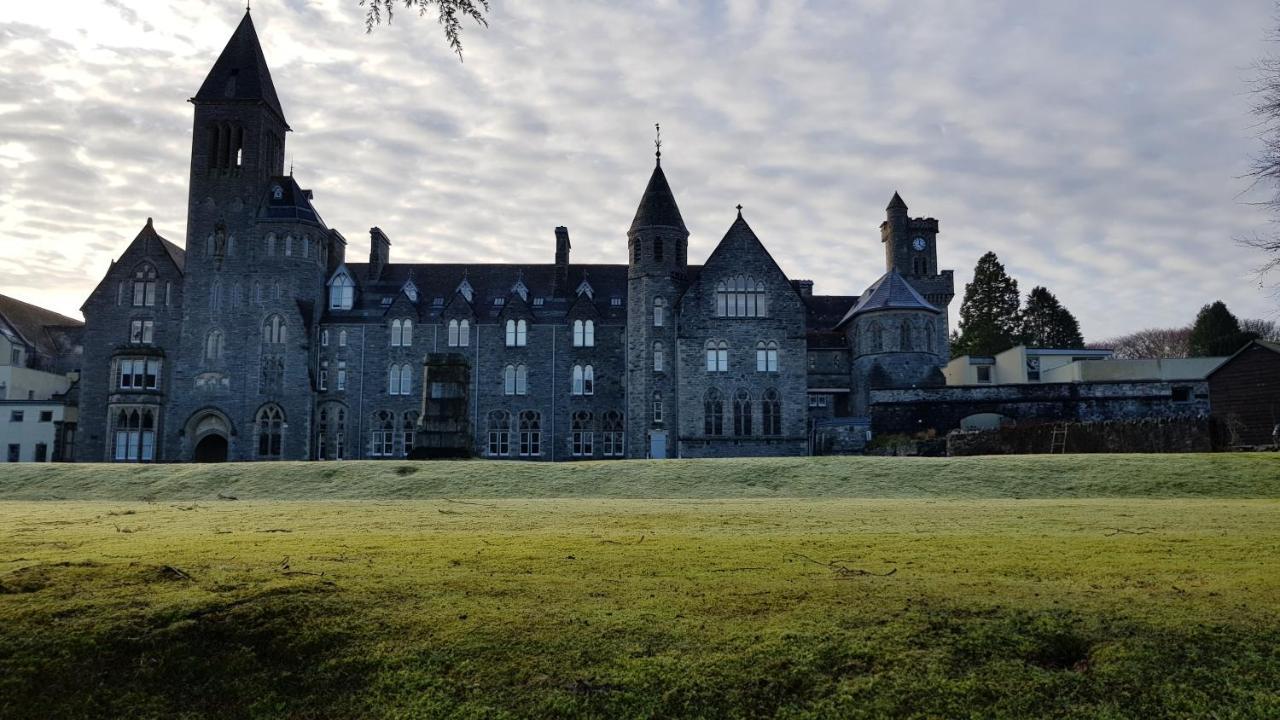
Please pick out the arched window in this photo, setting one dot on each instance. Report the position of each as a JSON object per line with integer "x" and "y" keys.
{"x": 322, "y": 435}
{"x": 530, "y": 433}
{"x": 766, "y": 356}
{"x": 930, "y": 343}
{"x": 342, "y": 338}
{"x": 582, "y": 439}
{"x": 464, "y": 333}
{"x": 659, "y": 312}
{"x": 397, "y": 333}
{"x": 406, "y": 339}
{"x": 611, "y": 432}
{"x": 659, "y": 358}
{"x": 875, "y": 337}
{"x": 214, "y": 346}
{"x": 522, "y": 380}
{"x": 509, "y": 380}
{"x": 771, "y": 413}
{"x": 578, "y": 334}
{"x": 406, "y": 379}
{"x": 511, "y": 333}
{"x": 274, "y": 331}
{"x": 717, "y": 356}
{"x": 271, "y": 246}
{"x": 499, "y": 433}
{"x": 135, "y": 435}
{"x": 589, "y": 380}
{"x": 713, "y": 412}
{"x": 340, "y": 435}
{"x": 409, "y": 427}
{"x": 144, "y": 286}
{"x": 741, "y": 296}
{"x": 904, "y": 337}
{"x": 453, "y": 333}
{"x": 583, "y": 379}
{"x": 657, "y": 408}
{"x": 383, "y": 444}
{"x": 324, "y": 338}
{"x": 342, "y": 294}
{"x": 635, "y": 254}
{"x": 589, "y": 333}
{"x": 215, "y": 295}
{"x": 270, "y": 430}
{"x": 742, "y": 414}
{"x": 657, "y": 249}
{"x": 393, "y": 380}
{"x": 522, "y": 333}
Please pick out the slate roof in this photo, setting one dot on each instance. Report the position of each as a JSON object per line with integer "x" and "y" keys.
{"x": 35, "y": 326}
{"x": 658, "y": 205}
{"x": 897, "y": 202}
{"x": 890, "y": 292}
{"x": 294, "y": 204}
{"x": 241, "y": 73}
{"x": 826, "y": 311}
{"x": 488, "y": 282}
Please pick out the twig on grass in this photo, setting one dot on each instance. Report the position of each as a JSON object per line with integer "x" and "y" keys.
{"x": 227, "y": 497}
{"x": 1136, "y": 531}
{"x": 465, "y": 502}
{"x": 176, "y": 572}
{"x": 193, "y": 506}
{"x": 843, "y": 571}
{"x": 736, "y": 569}
{"x": 276, "y": 530}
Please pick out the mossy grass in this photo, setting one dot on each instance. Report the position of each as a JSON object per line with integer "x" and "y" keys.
{"x": 1019, "y": 602}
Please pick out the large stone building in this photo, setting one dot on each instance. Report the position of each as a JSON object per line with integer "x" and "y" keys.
{"x": 262, "y": 340}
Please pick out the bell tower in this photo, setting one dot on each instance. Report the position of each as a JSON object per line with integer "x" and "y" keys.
{"x": 910, "y": 244}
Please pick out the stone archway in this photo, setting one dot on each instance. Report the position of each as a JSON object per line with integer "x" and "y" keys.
{"x": 211, "y": 437}
{"x": 212, "y": 448}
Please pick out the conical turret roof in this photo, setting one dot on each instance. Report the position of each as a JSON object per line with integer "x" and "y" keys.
{"x": 241, "y": 72}
{"x": 890, "y": 292}
{"x": 658, "y": 206}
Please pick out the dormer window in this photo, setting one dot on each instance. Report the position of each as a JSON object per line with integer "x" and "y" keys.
{"x": 341, "y": 293}
{"x": 537, "y": 302}
{"x": 499, "y": 302}
{"x": 437, "y": 302}
{"x": 277, "y": 192}
{"x": 410, "y": 291}
{"x": 585, "y": 289}
{"x": 465, "y": 288}
{"x": 520, "y": 289}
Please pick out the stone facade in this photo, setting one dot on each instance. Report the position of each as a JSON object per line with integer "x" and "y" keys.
{"x": 263, "y": 340}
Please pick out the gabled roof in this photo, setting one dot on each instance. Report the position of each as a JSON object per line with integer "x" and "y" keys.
{"x": 293, "y": 205}
{"x": 890, "y": 292}
{"x": 34, "y": 325}
{"x": 1264, "y": 344}
{"x": 241, "y": 74}
{"x": 737, "y": 239}
{"x": 658, "y": 205}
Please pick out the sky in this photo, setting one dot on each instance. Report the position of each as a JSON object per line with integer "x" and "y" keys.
{"x": 1100, "y": 148}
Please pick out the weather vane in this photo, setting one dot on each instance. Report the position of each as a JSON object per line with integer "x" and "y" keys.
{"x": 657, "y": 143}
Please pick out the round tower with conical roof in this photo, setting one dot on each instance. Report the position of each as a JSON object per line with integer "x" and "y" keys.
{"x": 658, "y": 249}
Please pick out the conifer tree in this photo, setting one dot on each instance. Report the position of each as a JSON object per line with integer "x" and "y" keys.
{"x": 1047, "y": 324}
{"x": 989, "y": 320}
{"x": 1217, "y": 332}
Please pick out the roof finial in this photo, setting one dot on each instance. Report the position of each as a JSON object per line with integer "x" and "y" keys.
{"x": 739, "y": 211}
{"x": 246, "y": 6}
{"x": 290, "y": 166}
{"x": 657, "y": 143}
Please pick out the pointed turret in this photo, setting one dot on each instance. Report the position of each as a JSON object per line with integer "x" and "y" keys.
{"x": 897, "y": 203}
{"x": 241, "y": 73}
{"x": 658, "y": 205}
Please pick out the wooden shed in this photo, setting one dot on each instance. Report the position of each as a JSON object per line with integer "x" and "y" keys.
{"x": 1244, "y": 395}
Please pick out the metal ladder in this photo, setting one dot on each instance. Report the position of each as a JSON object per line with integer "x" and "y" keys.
{"x": 1058, "y": 445}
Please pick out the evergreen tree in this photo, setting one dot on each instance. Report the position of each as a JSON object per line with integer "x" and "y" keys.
{"x": 1047, "y": 324}
{"x": 989, "y": 314}
{"x": 1217, "y": 332}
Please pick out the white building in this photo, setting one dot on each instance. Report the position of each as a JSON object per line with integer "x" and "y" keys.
{"x": 39, "y": 353}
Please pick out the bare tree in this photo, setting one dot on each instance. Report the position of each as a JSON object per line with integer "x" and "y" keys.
{"x": 1264, "y": 329}
{"x": 1151, "y": 343}
{"x": 449, "y": 13}
{"x": 1266, "y": 164}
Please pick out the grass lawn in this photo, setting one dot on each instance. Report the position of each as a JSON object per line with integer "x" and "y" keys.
{"x": 1089, "y": 587}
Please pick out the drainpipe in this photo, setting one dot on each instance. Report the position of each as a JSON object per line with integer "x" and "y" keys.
{"x": 555, "y": 442}
{"x": 360, "y": 421}
{"x": 475, "y": 384}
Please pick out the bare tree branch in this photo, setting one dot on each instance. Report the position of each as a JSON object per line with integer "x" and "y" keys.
{"x": 449, "y": 14}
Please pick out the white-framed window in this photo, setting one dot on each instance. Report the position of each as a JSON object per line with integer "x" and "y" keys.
{"x": 144, "y": 286}
{"x": 517, "y": 333}
{"x": 984, "y": 374}
{"x": 713, "y": 412}
{"x": 515, "y": 380}
{"x": 384, "y": 435}
{"x": 771, "y": 413}
{"x": 499, "y": 433}
{"x": 324, "y": 338}
{"x": 408, "y": 429}
{"x": 582, "y": 435}
{"x": 407, "y": 336}
{"x": 717, "y": 356}
{"x": 612, "y": 435}
{"x": 214, "y": 346}
{"x": 584, "y": 380}
{"x": 324, "y": 376}
{"x": 342, "y": 375}
{"x": 142, "y": 332}
{"x": 766, "y": 356}
{"x": 270, "y": 431}
{"x": 342, "y": 338}
{"x": 138, "y": 374}
{"x": 741, "y": 296}
{"x": 342, "y": 294}
{"x": 135, "y": 435}
{"x": 530, "y": 433}
{"x": 659, "y": 357}
{"x": 459, "y": 333}
{"x": 584, "y": 333}
{"x": 397, "y": 333}
{"x": 659, "y": 312}
{"x": 657, "y": 408}
{"x": 400, "y": 380}
{"x": 742, "y": 414}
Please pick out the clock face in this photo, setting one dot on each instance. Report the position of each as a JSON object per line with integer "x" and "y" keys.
{"x": 918, "y": 244}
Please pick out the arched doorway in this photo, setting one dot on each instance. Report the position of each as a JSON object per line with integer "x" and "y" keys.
{"x": 211, "y": 433}
{"x": 211, "y": 449}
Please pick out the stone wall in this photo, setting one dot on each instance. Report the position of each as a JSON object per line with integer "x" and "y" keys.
{"x": 1154, "y": 435}
{"x": 942, "y": 409}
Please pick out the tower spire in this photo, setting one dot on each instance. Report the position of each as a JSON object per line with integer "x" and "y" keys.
{"x": 657, "y": 142}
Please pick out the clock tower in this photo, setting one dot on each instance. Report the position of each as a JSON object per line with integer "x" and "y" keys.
{"x": 910, "y": 244}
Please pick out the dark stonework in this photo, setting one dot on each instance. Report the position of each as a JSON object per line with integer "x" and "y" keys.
{"x": 271, "y": 345}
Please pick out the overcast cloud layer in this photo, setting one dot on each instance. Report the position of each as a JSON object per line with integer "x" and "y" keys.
{"x": 1097, "y": 146}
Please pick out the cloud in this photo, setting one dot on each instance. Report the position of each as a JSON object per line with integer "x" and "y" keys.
{"x": 1103, "y": 162}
